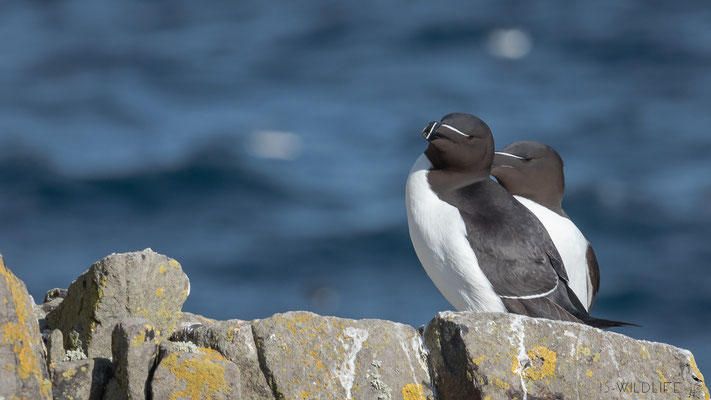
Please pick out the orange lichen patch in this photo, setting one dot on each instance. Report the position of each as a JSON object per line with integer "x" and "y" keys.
{"x": 19, "y": 334}
{"x": 315, "y": 355}
{"x": 139, "y": 339}
{"x": 478, "y": 360}
{"x": 695, "y": 369}
{"x": 200, "y": 376}
{"x": 162, "y": 269}
{"x": 413, "y": 391}
{"x": 174, "y": 264}
{"x": 159, "y": 292}
{"x": 543, "y": 363}
{"x": 589, "y": 373}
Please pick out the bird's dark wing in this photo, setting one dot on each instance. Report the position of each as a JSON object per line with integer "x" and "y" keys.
{"x": 542, "y": 307}
{"x": 593, "y": 272}
{"x": 516, "y": 262}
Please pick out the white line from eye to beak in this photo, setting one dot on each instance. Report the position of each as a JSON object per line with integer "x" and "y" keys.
{"x": 455, "y": 129}
{"x": 509, "y": 154}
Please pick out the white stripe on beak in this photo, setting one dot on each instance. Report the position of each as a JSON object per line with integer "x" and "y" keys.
{"x": 501, "y": 153}
{"x": 455, "y": 129}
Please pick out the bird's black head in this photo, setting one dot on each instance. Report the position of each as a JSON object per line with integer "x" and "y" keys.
{"x": 460, "y": 143}
{"x": 532, "y": 170}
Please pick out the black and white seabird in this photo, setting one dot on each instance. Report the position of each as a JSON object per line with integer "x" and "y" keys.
{"x": 482, "y": 248}
{"x": 533, "y": 173}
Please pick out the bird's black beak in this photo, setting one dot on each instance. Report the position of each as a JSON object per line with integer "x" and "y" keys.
{"x": 430, "y": 131}
{"x": 505, "y": 160}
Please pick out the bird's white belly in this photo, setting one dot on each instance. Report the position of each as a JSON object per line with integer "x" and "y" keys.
{"x": 571, "y": 245}
{"x": 439, "y": 237}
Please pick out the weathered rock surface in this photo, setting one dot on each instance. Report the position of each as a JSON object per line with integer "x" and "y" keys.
{"x": 139, "y": 284}
{"x": 55, "y": 294}
{"x": 23, "y": 372}
{"x": 233, "y": 339}
{"x": 305, "y": 355}
{"x": 186, "y": 322}
{"x": 134, "y": 349}
{"x": 55, "y": 348}
{"x": 506, "y": 356}
{"x": 197, "y": 373}
{"x": 127, "y": 306}
{"x": 83, "y": 379}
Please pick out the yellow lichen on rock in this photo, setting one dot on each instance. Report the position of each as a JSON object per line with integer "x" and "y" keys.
{"x": 695, "y": 370}
{"x": 501, "y": 384}
{"x": 19, "y": 335}
{"x": 413, "y": 391}
{"x": 199, "y": 377}
{"x": 68, "y": 374}
{"x": 644, "y": 352}
{"x": 547, "y": 359}
{"x": 543, "y": 364}
{"x": 139, "y": 339}
{"x": 584, "y": 350}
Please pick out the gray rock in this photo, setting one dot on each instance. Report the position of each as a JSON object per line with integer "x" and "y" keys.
{"x": 234, "y": 340}
{"x": 55, "y": 294}
{"x": 305, "y": 355}
{"x": 83, "y": 379}
{"x": 140, "y": 284}
{"x": 203, "y": 374}
{"x": 187, "y": 318}
{"x": 23, "y": 372}
{"x": 134, "y": 349}
{"x": 55, "y": 348}
{"x": 50, "y": 305}
{"x": 506, "y": 356}
{"x": 186, "y": 322}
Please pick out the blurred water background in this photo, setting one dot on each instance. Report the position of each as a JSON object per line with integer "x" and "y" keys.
{"x": 266, "y": 145}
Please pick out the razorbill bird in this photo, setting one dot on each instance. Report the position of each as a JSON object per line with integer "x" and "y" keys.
{"x": 533, "y": 173}
{"x": 482, "y": 248}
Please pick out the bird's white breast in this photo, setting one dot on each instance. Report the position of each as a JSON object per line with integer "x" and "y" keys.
{"x": 439, "y": 236}
{"x": 571, "y": 245}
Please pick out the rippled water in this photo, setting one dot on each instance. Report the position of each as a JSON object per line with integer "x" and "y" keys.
{"x": 266, "y": 146}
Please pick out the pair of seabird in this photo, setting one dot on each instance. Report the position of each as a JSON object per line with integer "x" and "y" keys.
{"x": 487, "y": 250}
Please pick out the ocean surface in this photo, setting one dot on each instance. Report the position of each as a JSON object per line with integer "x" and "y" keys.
{"x": 266, "y": 146}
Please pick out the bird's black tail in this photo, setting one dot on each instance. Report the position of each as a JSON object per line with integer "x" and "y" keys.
{"x": 580, "y": 312}
{"x": 604, "y": 323}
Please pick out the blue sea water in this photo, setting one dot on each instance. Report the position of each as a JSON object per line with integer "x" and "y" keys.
{"x": 266, "y": 145}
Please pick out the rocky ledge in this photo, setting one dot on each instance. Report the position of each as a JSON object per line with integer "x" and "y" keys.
{"x": 118, "y": 332}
